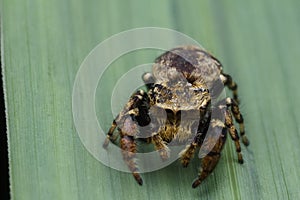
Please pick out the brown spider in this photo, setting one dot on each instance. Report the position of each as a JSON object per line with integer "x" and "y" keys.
{"x": 178, "y": 105}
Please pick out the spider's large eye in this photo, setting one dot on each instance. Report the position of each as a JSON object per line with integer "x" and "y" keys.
{"x": 201, "y": 90}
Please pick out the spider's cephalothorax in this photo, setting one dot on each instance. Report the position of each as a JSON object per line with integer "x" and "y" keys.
{"x": 178, "y": 105}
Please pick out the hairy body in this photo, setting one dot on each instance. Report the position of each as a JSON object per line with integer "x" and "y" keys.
{"x": 180, "y": 107}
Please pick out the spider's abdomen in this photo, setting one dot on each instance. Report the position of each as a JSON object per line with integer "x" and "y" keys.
{"x": 190, "y": 61}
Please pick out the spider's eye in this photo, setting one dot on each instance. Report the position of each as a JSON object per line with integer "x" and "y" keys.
{"x": 201, "y": 90}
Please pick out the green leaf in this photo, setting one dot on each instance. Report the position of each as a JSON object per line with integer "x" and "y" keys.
{"x": 44, "y": 43}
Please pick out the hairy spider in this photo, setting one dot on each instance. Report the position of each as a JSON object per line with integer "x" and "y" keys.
{"x": 178, "y": 105}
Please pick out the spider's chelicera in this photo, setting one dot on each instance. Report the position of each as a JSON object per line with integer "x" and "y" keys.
{"x": 179, "y": 107}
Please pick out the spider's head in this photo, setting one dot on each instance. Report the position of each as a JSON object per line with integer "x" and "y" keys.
{"x": 180, "y": 95}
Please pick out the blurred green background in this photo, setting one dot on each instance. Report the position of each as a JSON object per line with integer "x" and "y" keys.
{"x": 44, "y": 43}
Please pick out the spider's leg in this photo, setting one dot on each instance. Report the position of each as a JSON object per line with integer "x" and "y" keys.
{"x": 148, "y": 79}
{"x": 227, "y": 80}
{"x": 234, "y": 135}
{"x": 128, "y": 121}
{"x": 187, "y": 154}
{"x": 239, "y": 118}
{"x": 210, "y": 160}
{"x": 109, "y": 136}
{"x": 128, "y": 147}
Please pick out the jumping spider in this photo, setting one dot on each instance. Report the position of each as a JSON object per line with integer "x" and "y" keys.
{"x": 184, "y": 83}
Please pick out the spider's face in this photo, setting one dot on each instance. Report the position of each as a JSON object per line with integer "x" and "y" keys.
{"x": 180, "y": 95}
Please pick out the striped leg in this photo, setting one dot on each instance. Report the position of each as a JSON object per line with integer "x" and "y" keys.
{"x": 209, "y": 162}
{"x": 128, "y": 121}
{"x": 239, "y": 118}
{"x": 234, "y": 135}
{"x": 128, "y": 147}
{"x": 227, "y": 80}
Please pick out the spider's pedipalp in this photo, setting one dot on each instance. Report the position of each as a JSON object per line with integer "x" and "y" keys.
{"x": 188, "y": 153}
{"x": 161, "y": 147}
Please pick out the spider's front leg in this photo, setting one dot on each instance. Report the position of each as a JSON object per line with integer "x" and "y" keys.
{"x": 128, "y": 147}
{"x": 211, "y": 159}
{"x": 211, "y": 143}
{"x": 127, "y": 122}
{"x": 209, "y": 162}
